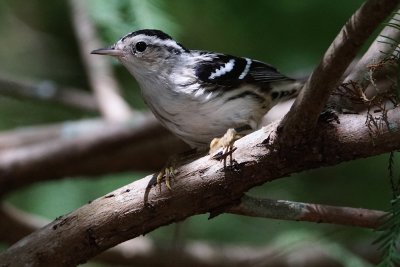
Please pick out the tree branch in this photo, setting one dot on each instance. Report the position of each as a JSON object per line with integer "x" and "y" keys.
{"x": 300, "y": 211}
{"x": 142, "y": 251}
{"x": 141, "y": 145}
{"x": 200, "y": 186}
{"x": 47, "y": 90}
{"x": 15, "y": 224}
{"x": 303, "y": 116}
{"x": 378, "y": 50}
{"x": 100, "y": 75}
{"x": 30, "y": 135}
{"x": 135, "y": 252}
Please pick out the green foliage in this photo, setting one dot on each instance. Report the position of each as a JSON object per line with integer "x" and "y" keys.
{"x": 389, "y": 40}
{"x": 394, "y": 44}
{"x": 291, "y": 240}
{"x": 54, "y": 198}
{"x": 389, "y": 240}
{"x": 23, "y": 112}
{"x": 390, "y": 237}
{"x": 398, "y": 79}
{"x": 116, "y": 18}
{"x": 37, "y": 40}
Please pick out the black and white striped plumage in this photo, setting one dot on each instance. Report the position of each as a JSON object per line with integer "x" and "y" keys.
{"x": 198, "y": 95}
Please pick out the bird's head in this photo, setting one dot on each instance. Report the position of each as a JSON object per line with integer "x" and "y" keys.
{"x": 144, "y": 51}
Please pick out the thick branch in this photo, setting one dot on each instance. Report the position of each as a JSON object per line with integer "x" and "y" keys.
{"x": 52, "y": 148}
{"x": 303, "y": 115}
{"x": 100, "y": 75}
{"x": 48, "y": 91}
{"x": 299, "y": 211}
{"x": 142, "y": 251}
{"x": 141, "y": 145}
{"x": 15, "y": 224}
{"x": 200, "y": 186}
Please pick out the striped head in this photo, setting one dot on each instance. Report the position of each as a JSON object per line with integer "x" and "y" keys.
{"x": 144, "y": 52}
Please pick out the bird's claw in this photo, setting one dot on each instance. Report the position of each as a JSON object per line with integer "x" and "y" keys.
{"x": 168, "y": 173}
{"x": 221, "y": 148}
{"x": 329, "y": 115}
{"x": 170, "y": 169}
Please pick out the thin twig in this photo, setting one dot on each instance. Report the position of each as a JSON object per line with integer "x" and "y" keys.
{"x": 300, "y": 211}
{"x": 200, "y": 186}
{"x": 303, "y": 116}
{"x": 30, "y": 135}
{"x": 112, "y": 105}
{"x": 375, "y": 53}
{"x": 47, "y": 91}
{"x": 376, "y": 72}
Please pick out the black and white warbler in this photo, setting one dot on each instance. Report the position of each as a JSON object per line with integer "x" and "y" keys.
{"x": 199, "y": 95}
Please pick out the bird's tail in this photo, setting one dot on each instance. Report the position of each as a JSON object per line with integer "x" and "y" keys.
{"x": 285, "y": 90}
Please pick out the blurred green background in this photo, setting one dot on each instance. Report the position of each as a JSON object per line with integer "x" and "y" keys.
{"x": 38, "y": 43}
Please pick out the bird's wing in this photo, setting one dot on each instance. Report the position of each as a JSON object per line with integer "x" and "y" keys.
{"x": 231, "y": 71}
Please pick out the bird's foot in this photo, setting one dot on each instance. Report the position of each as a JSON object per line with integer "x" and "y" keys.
{"x": 221, "y": 148}
{"x": 167, "y": 173}
{"x": 170, "y": 170}
{"x": 329, "y": 115}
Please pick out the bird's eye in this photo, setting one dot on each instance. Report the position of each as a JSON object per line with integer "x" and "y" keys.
{"x": 140, "y": 46}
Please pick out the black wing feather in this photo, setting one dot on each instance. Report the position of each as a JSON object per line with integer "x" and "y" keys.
{"x": 264, "y": 73}
{"x": 230, "y": 78}
{"x": 258, "y": 73}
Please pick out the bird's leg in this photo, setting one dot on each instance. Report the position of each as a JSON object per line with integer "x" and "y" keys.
{"x": 168, "y": 172}
{"x": 221, "y": 148}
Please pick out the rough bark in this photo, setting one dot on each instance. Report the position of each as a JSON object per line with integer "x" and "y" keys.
{"x": 201, "y": 186}
{"x": 142, "y": 251}
{"x": 300, "y": 211}
{"x": 378, "y": 50}
{"x": 303, "y": 116}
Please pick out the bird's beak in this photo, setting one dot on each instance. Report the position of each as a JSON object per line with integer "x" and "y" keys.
{"x": 108, "y": 52}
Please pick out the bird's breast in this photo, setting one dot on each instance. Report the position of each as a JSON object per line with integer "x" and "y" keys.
{"x": 198, "y": 118}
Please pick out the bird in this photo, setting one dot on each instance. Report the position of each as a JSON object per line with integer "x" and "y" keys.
{"x": 200, "y": 96}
